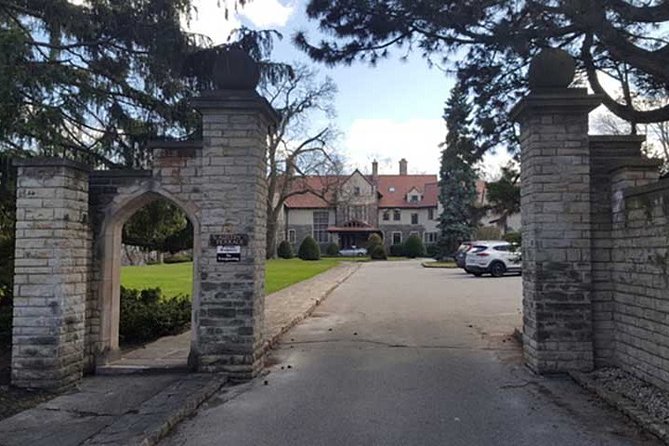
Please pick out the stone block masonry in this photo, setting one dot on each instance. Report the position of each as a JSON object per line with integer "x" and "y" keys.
{"x": 230, "y": 310}
{"x": 555, "y": 203}
{"x": 595, "y": 243}
{"x": 52, "y": 259}
{"x": 69, "y": 226}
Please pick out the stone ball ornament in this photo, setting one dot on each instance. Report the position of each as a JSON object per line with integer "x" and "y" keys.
{"x": 551, "y": 69}
{"x": 234, "y": 69}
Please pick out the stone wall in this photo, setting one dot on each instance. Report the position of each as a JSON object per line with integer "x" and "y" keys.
{"x": 53, "y": 251}
{"x": 639, "y": 271}
{"x": 68, "y": 247}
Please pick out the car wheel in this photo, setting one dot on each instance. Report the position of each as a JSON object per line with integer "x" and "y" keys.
{"x": 497, "y": 269}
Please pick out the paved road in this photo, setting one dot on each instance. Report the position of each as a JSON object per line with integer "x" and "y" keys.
{"x": 403, "y": 355}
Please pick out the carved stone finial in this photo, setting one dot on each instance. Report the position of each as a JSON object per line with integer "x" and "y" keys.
{"x": 234, "y": 69}
{"x": 551, "y": 69}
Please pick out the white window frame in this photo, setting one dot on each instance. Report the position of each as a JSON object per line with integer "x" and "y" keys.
{"x": 417, "y": 214}
{"x": 313, "y": 228}
{"x": 292, "y": 236}
{"x": 426, "y": 237}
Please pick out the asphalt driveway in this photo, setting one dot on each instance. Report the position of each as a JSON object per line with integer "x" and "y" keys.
{"x": 404, "y": 355}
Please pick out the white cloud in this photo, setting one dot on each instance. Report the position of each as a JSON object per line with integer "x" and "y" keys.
{"x": 209, "y": 18}
{"x": 388, "y": 141}
{"x": 417, "y": 140}
{"x": 268, "y": 13}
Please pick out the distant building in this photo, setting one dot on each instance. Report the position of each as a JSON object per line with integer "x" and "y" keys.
{"x": 348, "y": 209}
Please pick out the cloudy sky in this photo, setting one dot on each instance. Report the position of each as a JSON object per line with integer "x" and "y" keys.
{"x": 387, "y": 112}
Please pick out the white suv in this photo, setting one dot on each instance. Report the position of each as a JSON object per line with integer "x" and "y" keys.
{"x": 494, "y": 257}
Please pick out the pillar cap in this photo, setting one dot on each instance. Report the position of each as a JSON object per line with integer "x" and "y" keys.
{"x": 636, "y": 163}
{"x": 567, "y": 100}
{"x": 50, "y": 162}
{"x": 236, "y": 100}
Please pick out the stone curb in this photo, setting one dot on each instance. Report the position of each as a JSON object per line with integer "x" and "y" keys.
{"x": 269, "y": 343}
{"x": 624, "y": 405}
{"x": 181, "y": 399}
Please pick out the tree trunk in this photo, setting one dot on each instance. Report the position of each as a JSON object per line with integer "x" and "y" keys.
{"x": 272, "y": 225}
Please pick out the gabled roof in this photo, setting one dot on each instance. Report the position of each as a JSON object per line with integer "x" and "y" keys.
{"x": 395, "y": 188}
{"x": 314, "y": 191}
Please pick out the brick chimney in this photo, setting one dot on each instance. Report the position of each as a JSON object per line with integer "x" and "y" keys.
{"x": 375, "y": 168}
{"x": 403, "y": 166}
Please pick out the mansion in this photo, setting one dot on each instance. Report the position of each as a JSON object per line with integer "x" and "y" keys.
{"x": 348, "y": 209}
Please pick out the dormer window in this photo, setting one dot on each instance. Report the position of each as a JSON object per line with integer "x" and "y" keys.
{"x": 391, "y": 189}
{"x": 356, "y": 191}
{"x": 414, "y": 199}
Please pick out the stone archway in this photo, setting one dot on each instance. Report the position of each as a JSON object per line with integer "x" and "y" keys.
{"x": 109, "y": 241}
{"x": 69, "y": 222}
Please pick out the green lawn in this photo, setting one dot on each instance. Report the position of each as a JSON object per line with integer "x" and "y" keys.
{"x": 176, "y": 278}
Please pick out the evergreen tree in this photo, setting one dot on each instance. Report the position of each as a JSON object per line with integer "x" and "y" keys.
{"x": 457, "y": 176}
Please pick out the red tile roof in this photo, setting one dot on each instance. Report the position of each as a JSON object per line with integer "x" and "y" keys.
{"x": 394, "y": 190}
{"x": 314, "y": 192}
{"x": 318, "y": 192}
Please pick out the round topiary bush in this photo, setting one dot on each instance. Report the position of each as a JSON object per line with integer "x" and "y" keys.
{"x": 397, "y": 250}
{"x": 332, "y": 249}
{"x": 414, "y": 247}
{"x": 377, "y": 252}
{"x": 285, "y": 250}
{"x": 372, "y": 241}
{"x": 309, "y": 249}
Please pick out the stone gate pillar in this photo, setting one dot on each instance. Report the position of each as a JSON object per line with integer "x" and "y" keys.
{"x": 555, "y": 206}
{"x": 229, "y": 318}
{"x": 52, "y": 258}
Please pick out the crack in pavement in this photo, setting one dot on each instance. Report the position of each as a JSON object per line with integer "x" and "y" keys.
{"x": 391, "y": 345}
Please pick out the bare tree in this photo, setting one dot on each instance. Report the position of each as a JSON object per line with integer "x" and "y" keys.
{"x": 297, "y": 150}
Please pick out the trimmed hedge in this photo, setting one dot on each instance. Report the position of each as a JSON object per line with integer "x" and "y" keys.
{"x": 332, "y": 249}
{"x": 413, "y": 247}
{"x": 309, "y": 249}
{"x": 179, "y": 258}
{"x": 285, "y": 250}
{"x": 513, "y": 237}
{"x": 147, "y": 315}
{"x": 397, "y": 250}
{"x": 432, "y": 250}
{"x": 378, "y": 252}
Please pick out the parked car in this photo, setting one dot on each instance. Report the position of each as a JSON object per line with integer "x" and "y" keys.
{"x": 353, "y": 251}
{"x": 494, "y": 257}
{"x": 461, "y": 254}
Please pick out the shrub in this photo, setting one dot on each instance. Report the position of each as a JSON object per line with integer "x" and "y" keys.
{"x": 178, "y": 258}
{"x": 488, "y": 233}
{"x": 309, "y": 249}
{"x": 513, "y": 237}
{"x": 332, "y": 249}
{"x": 285, "y": 250}
{"x": 374, "y": 240}
{"x": 377, "y": 252}
{"x": 432, "y": 250}
{"x": 397, "y": 250}
{"x": 413, "y": 247}
{"x": 147, "y": 315}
